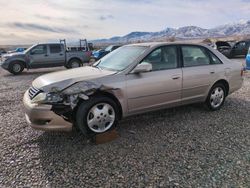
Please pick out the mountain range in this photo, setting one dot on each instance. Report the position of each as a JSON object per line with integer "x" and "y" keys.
{"x": 187, "y": 32}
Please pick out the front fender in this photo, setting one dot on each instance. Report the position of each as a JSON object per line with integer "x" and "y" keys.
{"x": 9, "y": 61}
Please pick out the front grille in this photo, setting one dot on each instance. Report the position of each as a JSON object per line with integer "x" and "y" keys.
{"x": 33, "y": 92}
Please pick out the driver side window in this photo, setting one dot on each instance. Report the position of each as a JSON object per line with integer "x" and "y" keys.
{"x": 40, "y": 49}
{"x": 163, "y": 58}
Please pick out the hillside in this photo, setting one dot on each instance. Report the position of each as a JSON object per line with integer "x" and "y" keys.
{"x": 187, "y": 32}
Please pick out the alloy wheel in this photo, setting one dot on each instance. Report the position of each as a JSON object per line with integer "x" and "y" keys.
{"x": 101, "y": 117}
{"x": 217, "y": 97}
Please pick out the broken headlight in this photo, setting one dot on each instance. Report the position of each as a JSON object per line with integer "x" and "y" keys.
{"x": 43, "y": 98}
{"x": 81, "y": 87}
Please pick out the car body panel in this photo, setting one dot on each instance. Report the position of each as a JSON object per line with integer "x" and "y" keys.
{"x": 64, "y": 78}
{"x": 152, "y": 90}
{"x": 196, "y": 80}
{"x": 41, "y": 117}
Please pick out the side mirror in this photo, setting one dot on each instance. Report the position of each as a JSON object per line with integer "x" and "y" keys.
{"x": 142, "y": 67}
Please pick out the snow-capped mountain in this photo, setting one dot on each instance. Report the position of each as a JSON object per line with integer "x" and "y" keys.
{"x": 187, "y": 32}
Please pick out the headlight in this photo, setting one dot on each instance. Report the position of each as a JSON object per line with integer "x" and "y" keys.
{"x": 43, "y": 98}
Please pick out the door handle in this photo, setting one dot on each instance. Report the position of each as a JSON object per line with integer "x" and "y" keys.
{"x": 46, "y": 55}
{"x": 176, "y": 77}
{"x": 212, "y": 72}
{"x": 60, "y": 54}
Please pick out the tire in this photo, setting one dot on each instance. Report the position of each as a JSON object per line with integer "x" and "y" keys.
{"x": 16, "y": 68}
{"x": 97, "y": 115}
{"x": 74, "y": 63}
{"x": 216, "y": 97}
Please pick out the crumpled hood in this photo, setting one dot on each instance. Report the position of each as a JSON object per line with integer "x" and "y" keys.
{"x": 62, "y": 79}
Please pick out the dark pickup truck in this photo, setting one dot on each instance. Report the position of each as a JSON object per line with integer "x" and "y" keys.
{"x": 44, "y": 56}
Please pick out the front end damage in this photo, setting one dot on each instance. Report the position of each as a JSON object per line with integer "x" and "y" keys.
{"x": 71, "y": 96}
{"x": 61, "y": 104}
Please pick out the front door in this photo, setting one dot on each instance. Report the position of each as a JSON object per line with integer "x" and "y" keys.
{"x": 38, "y": 56}
{"x": 159, "y": 88}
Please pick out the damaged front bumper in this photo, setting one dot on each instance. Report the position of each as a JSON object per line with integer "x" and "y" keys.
{"x": 40, "y": 117}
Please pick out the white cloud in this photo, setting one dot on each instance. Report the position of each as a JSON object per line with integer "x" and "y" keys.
{"x": 48, "y": 20}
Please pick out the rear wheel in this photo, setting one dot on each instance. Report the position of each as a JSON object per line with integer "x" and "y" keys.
{"x": 16, "y": 68}
{"x": 216, "y": 97}
{"x": 97, "y": 115}
{"x": 74, "y": 63}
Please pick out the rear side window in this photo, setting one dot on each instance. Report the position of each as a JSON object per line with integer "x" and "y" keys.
{"x": 194, "y": 56}
{"x": 55, "y": 48}
{"x": 214, "y": 59}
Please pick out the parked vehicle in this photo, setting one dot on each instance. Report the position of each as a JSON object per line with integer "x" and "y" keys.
{"x": 248, "y": 60}
{"x": 17, "y": 50}
{"x": 101, "y": 53}
{"x": 130, "y": 80}
{"x": 231, "y": 49}
{"x": 2, "y": 52}
{"x": 43, "y": 56}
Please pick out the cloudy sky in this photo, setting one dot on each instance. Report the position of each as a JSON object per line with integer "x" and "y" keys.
{"x": 31, "y": 21}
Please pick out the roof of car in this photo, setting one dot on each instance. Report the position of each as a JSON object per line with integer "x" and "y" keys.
{"x": 49, "y": 43}
{"x": 155, "y": 44}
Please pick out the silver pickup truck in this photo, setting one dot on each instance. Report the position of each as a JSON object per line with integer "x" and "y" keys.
{"x": 44, "y": 56}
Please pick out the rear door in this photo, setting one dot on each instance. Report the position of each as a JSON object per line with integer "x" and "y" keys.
{"x": 159, "y": 88}
{"x": 56, "y": 55}
{"x": 197, "y": 73}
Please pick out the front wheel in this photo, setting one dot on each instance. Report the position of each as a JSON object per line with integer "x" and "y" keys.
{"x": 97, "y": 115}
{"x": 216, "y": 97}
{"x": 16, "y": 68}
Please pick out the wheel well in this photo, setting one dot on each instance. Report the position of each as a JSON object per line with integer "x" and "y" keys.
{"x": 225, "y": 83}
{"x": 75, "y": 58}
{"x": 24, "y": 64}
{"x": 102, "y": 93}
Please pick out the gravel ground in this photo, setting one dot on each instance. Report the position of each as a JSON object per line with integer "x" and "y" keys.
{"x": 181, "y": 147}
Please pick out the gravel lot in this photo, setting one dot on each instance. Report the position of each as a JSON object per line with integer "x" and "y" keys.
{"x": 181, "y": 147}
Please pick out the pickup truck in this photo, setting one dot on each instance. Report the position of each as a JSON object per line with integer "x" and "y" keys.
{"x": 44, "y": 56}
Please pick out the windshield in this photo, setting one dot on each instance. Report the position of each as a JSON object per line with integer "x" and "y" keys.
{"x": 121, "y": 58}
{"x": 28, "y": 49}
